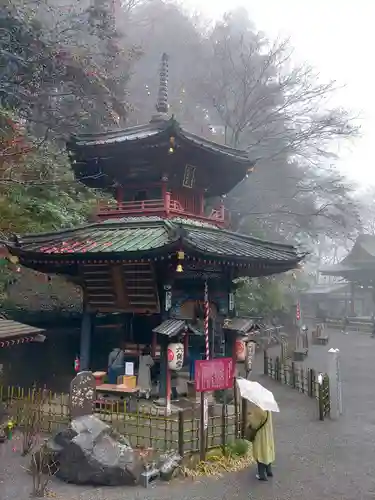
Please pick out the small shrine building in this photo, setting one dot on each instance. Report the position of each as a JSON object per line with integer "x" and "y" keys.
{"x": 357, "y": 268}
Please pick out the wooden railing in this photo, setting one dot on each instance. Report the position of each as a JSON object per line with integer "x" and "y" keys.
{"x": 130, "y": 207}
{"x": 164, "y": 207}
{"x": 354, "y": 324}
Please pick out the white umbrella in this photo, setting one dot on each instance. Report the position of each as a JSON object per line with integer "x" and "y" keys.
{"x": 257, "y": 394}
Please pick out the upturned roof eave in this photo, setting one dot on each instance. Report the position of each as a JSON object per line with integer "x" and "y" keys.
{"x": 141, "y": 134}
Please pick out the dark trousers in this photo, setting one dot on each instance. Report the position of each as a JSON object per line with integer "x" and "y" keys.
{"x": 264, "y": 470}
{"x": 114, "y": 372}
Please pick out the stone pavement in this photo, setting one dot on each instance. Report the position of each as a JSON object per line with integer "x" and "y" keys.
{"x": 315, "y": 460}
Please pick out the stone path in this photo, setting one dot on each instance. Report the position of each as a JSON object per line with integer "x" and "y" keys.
{"x": 315, "y": 460}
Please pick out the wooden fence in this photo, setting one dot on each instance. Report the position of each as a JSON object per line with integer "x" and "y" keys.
{"x": 144, "y": 426}
{"x": 364, "y": 325}
{"x": 304, "y": 380}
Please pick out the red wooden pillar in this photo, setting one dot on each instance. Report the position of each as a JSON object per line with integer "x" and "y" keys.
{"x": 201, "y": 204}
{"x": 167, "y": 202}
{"x": 119, "y": 195}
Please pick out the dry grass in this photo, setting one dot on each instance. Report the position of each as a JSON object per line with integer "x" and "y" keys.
{"x": 216, "y": 464}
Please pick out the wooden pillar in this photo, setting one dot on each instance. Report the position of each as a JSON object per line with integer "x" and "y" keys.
{"x": 153, "y": 344}
{"x": 166, "y": 304}
{"x": 163, "y": 367}
{"x": 119, "y": 194}
{"x": 352, "y": 299}
{"x": 186, "y": 346}
{"x": 168, "y": 385}
{"x": 85, "y": 347}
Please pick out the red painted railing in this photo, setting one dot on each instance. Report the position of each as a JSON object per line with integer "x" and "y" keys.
{"x": 164, "y": 207}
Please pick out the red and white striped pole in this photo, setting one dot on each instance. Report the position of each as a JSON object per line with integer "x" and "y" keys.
{"x": 206, "y": 319}
{"x": 204, "y": 398}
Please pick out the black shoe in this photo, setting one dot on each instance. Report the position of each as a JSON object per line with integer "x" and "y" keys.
{"x": 261, "y": 478}
{"x": 269, "y": 474}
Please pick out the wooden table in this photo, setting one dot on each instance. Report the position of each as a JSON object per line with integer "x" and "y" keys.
{"x": 111, "y": 394}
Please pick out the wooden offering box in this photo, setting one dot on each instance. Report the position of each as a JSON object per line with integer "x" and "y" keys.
{"x": 128, "y": 381}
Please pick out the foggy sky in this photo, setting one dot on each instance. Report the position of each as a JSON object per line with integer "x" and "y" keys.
{"x": 336, "y": 37}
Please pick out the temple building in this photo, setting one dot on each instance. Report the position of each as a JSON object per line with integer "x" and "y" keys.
{"x": 358, "y": 269}
{"x": 161, "y": 247}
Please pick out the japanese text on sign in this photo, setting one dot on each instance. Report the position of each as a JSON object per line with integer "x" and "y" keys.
{"x": 214, "y": 374}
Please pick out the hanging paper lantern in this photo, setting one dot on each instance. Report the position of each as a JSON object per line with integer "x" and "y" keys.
{"x": 175, "y": 356}
{"x": 240, "y": 350}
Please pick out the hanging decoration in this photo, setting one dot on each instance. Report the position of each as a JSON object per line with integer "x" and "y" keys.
{"x": 180, "y": 258}
{"x": 250, "y": 353}
{"x": 22, "y": 340}
{"x": 172, "y": 145}
{"x": 168, "y": 297}
{"x": 206, "y": 319}
{"x": 175, "y": 356}
{"x": 231, "y": 301}
{"x": 189, "y": 176}
{"x": 298, "y": 312}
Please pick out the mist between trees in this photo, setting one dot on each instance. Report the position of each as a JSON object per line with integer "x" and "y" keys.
{"x": 93, "y": 65}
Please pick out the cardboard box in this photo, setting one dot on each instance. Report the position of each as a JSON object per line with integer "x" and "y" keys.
{"x": 128, "y": 381}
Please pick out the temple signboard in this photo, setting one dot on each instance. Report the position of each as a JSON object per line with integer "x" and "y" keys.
{"x": 214, "y": 374}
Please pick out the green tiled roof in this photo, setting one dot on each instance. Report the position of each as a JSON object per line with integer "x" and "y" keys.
{"x": 101, "y": 239}
{"x": 136, "y": 237}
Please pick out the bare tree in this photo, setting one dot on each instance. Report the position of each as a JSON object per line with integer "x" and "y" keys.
{"x": 281, "y": 114}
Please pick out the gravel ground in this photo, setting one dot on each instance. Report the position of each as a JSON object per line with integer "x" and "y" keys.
{"x": 315, "y": 460}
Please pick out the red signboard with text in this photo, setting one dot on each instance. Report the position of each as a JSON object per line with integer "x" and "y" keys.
{"x": 214, "y": 374}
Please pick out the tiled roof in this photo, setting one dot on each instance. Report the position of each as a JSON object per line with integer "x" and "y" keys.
{"x": 153, "y": 129}
{"x": 171, "y": 327}
{"x": 196, "y": 328}
{"x": 101, "y": 238}
{"x": 133, "y": 236}
{"x": 360, "y": 260}
{"x": 127, "y": 134}
{"x": 242, "y": 325}
{"x": 227, "y": 244}
{"x": 12, "y": 330}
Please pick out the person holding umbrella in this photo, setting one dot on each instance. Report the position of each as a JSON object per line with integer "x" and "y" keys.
{"x": 260, "y": 428}
{"x": 260, "y": 421}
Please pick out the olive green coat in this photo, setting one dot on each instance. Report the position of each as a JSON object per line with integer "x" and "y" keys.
{"x": 263, "y": 445}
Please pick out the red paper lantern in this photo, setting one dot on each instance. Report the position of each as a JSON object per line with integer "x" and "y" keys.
{"x": 240, "y": 350}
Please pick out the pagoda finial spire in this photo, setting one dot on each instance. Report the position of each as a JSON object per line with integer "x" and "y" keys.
{"x": 162, "y": 102}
